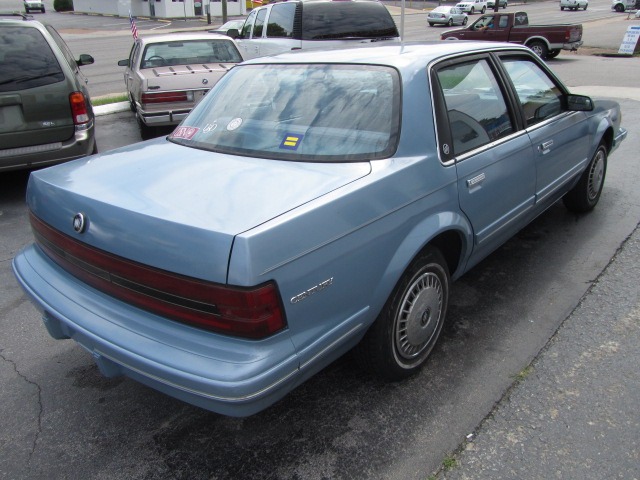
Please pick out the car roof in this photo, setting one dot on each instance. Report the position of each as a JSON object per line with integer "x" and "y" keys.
{"x": 176, "y": 37}
{"x": 397, "y": 55}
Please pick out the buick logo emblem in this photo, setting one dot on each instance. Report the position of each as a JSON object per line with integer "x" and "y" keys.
{"x": 79, "y": 222}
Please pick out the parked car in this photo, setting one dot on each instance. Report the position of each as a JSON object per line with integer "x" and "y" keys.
{"x": 304, "y": 24}
{"x": 45, "y": 111}
{"x": 574, "y": 4}
{"x": 624, "y": 5}
{"x": 473, "y": 6}
{"x": 230, "y": 25}
{"x": 30, "y": 5}
{"x": 167, "y": 75}
{"x": 501, "y": 4}
{"x": 303, "y": 209}
{"x": 447, "y": 16}
{"x": 545, "y": 40}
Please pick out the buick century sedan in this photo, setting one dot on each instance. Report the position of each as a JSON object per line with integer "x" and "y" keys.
{"x": 312, "y": 203}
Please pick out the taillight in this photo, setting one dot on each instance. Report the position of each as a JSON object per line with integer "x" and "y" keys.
{"x": 167, "y": 97}
{"x": 254, "y": 312}
{"x": 79, "y": 108}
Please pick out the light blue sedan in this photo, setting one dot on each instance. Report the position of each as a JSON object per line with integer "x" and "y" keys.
{"x": 311, "y": 203}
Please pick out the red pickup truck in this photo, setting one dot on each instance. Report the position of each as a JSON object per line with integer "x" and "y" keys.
{"x": 545, "y": 40}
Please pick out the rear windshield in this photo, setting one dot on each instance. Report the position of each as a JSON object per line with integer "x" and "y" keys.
{"x": 317, "y": 113}
{"x": 26, "y": 60}
{"x": 333, "y": 20}
{"x": 189, "y": 52}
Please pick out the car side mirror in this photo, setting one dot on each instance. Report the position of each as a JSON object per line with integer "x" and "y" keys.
{"x": 123, "y": 63}
{"x": 233, "y": 33}
{"x": 579, "y": 103}
{"x": 84, "y": 60}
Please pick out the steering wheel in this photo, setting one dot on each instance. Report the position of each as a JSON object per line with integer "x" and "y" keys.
{"x": 157, "y": 57}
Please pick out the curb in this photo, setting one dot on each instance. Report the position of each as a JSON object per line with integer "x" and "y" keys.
{"x": 110, "y": 108}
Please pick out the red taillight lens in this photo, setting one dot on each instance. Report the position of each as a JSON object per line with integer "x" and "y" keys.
{"x": 166, "y": 97}
{"x": 79, "y": 108}
{"x": 246, "y": 312}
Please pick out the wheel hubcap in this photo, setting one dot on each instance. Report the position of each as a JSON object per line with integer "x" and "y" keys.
{"x": 419, "y": 316}
{"x": 596, "y": 176}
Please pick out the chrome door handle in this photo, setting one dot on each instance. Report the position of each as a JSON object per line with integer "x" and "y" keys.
{"x": 545, "y": 146}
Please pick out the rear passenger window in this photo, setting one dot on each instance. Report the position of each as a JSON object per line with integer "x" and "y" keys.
{"x": 281, "y": 20}
{"x": 26, "y": 60}
{"x": 539, "y": 96}
{"x": 476, "y": 110}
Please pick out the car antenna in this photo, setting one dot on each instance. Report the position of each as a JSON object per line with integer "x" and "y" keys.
{"x": 402, "y": 25}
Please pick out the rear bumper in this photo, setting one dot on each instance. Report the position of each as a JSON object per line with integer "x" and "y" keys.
{"x": 226, "y": 375}
{"x": 80, "y": 145}
{"x": 572, "y": 46}
{"x": 158, "y": 119}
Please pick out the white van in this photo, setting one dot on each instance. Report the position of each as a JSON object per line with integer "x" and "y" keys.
{"x": 284, "y": 26}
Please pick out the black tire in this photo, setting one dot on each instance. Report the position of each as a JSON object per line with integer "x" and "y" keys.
{"x": 562, "y": 8}
{"x": 399, "y": 342}
{"x": 539, "y": 49}
{"x": 132, "y": 104}
{"x": 585, "y": 7}
{"x": 26, "y": 10}
{"x": 146, "y": 132}
{"x": 42, "y": 10}
{"x": 619, "y": 8}
{"x": 464, "y": 22}
{"x": 450, "y": 22}
{"x": 553, "y": 53}
{"x": 484, "y": 9}
{"x": 472, "y": 11}
{"x": 584, "y": 196}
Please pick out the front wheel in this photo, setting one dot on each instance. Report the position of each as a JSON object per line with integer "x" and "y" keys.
{"x": 450, "y": 22}
{"x": 562, "y": 8}
{"x": 472, "y": 11}
{"x": 484, "y": 9}
{"x": 586, "y": 193}
{"x": 431, "y": 24}
{"x": 539, "y": 49}
{"x": 619, "y": 7}
{"x": 406, "y": 330}
{"x": 464, "y": 22}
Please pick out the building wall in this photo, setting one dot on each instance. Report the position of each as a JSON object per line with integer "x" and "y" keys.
{"x": 159, "y": 8}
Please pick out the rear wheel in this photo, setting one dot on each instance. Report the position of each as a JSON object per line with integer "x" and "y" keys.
{"x": 619, "y": 7}
{"x": 484, "y": 9}
{"x": 539, "y": 49}
{"x": 553, "y": 53}
{"x": 586, "y": 193}
{"x": 562, "y": 8}
{"x": 146, "y": 132}
{"x": 431, "y": 24}
{"x": 402, "y": 337}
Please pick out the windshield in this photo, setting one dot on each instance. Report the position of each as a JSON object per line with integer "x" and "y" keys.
{"x": 26, "y": 60}
{"x": 321, "y": 113}
{"x": 164, "y": 54}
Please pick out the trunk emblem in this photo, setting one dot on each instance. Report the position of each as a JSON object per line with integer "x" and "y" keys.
{"x": 79, "y": 222}
{"x": 205, "y": 81}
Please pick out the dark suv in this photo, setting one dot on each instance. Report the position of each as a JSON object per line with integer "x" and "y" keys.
{"x": 45, "y": 112}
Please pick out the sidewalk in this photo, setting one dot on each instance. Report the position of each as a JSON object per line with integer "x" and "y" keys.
{"x": 575, "y": 413}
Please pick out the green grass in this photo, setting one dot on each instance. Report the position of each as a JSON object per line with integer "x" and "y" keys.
{"x": 107, "y": 99}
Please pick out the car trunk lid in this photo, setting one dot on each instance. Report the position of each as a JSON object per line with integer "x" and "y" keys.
{"x": 174, "y": 207}
{"x": 36, "y": 116}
